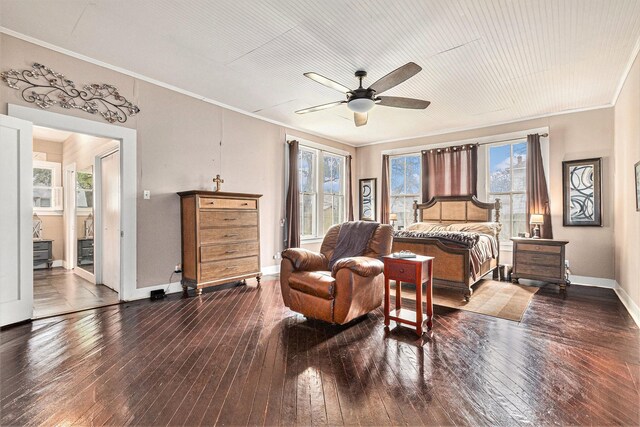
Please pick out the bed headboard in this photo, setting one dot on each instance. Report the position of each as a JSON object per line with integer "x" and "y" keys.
{"x": 453, "y": 209}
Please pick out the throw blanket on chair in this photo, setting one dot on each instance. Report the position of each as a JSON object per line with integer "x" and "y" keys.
{"x": 353, "y": 239}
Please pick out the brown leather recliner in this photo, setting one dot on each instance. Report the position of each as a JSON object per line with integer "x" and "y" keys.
{"x": 354, "y": 287}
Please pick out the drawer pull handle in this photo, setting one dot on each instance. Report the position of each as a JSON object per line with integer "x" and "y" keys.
{"x": 230, "y": 235}
{"x": 230, "y": 219}
{"x": 245, "y": 204}
{"x": 230, "y": 252}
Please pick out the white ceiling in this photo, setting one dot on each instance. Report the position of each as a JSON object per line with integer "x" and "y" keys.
{"x": 484, "y": 62}
{"x": 48, "y": 134}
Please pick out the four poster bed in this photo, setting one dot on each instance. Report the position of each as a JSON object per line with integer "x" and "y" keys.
{"x": 461, "y": 232}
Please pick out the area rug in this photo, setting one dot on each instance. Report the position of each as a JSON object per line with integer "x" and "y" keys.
{"x": 492, "y": 298}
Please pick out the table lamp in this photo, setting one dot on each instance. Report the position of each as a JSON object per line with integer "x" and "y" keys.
{"x": 392, "y": 219}
{"x": 536, "y": 220}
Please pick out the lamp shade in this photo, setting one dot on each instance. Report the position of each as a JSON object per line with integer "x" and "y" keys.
{"x": 361, "y": 105}
{"x": 393, "y": 217}
{"x": 536, "y": 219}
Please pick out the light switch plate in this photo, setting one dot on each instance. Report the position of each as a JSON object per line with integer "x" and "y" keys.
{"x": 147, "y": 194}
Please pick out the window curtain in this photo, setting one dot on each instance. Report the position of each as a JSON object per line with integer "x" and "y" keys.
{"x": 292, "y": 238}
{"x": 385, "y": 208}
{"x": 537, "y": 193}
{"x": 350, "y": 189}
{"x": 451, "y": 171}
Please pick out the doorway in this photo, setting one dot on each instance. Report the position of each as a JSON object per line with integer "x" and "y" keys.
{"x": 65, "y": 210}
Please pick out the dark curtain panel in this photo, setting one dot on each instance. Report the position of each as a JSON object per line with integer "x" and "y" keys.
{"x": 292, "y": 239}
{"x": 350, "y": 189}
{"x": 385, "y": 208}
{"x": 537, "y": 193}
{"x": 451, "y": 171}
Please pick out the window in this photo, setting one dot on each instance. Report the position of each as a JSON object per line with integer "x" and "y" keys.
{"x": 46, "y": 186}
{"x": 84, "y": 190}
{"x": 322, "y": 191}
{"x": 506, "y": 181}
{"x": 405, "y": 183}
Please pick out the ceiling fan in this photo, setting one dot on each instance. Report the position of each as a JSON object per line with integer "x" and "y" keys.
{"x": 361, "y": 100}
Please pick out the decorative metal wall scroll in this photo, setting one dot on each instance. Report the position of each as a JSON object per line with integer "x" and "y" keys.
{"x": 46, "y": 87}
{"x": 368, "y": 199}
{"x": 581, "y": 185}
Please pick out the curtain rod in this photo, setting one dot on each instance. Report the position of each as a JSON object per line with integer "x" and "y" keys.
{"x": 543, "y": 135}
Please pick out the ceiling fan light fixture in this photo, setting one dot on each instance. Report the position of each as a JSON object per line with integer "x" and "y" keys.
{"x": 361, "y": 105}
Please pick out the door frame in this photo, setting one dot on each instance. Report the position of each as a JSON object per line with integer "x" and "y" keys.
{"x": 128, "y": 186}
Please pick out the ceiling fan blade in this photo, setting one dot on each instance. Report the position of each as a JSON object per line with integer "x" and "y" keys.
{"x": 398, "y": 102}
{"x": 320, "y": 107}
{"x": 396, "y": 77}
{"x": 327, "y": 82}
{"x": 360, "y": 118}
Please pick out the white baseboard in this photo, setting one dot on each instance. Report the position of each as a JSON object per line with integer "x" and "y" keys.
{"x": 629, "y": 304}
{"x": 599, "y": 282}
{"x": 170, "y": 288}
{"x": 57, "y": 263}
{"x": 142, "y": 293}
{"x": 272, "y": 270}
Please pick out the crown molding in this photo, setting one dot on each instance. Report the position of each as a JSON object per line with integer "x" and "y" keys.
{"x": 506, "y": 122}
{"x": 625, "y": 73}
{"x": 162, "y": 84}
{"x": 171, "y": 87}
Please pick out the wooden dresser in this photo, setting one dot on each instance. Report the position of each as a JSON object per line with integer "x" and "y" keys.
{"x": 220, "y": 238}
{"x": 539, "y": 259}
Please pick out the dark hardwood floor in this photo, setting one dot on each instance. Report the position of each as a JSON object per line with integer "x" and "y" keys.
{"x": 238, "y": 356}
{"x": 58, "y": 291}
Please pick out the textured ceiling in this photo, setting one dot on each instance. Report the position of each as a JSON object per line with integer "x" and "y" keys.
{"x": 483, "y": 62}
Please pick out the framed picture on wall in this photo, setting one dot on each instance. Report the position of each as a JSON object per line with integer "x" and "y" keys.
{"x": 581, "y": 185}
{"x": 637, "y": 171}
{"x": 367, "y": 199}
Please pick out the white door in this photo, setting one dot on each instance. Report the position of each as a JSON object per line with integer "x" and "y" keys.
{"x": 110, "y": 208}
{"x": 69, "y": 216}
{"x": 16, "y": 225}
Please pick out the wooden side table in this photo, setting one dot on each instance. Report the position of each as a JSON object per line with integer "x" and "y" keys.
{"x": 416, "y": 270}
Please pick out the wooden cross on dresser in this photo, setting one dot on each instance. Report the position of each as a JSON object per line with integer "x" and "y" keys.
{"x": 218, "y": 181}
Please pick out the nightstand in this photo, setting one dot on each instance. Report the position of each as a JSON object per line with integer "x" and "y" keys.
{"x": 540, "y": 259}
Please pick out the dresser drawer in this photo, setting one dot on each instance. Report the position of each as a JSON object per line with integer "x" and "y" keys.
{"x": 402, "y": 272}
{"x": 228, "y": 235}
{"x": 216, "y": 203}
{"x": 538, "y": 258}
{"x": 539, "y": 271}
{"x": 227, "y": 218}
{"x": 234, "y": 250}
{"x": 41, "y": 246}
{"x": 41, "y": 255}
{"x": 228, "y": 268}
{"x": 532, "y": 247}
